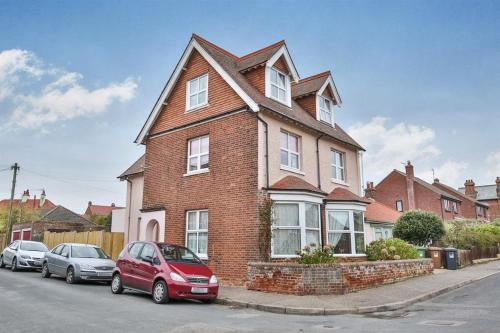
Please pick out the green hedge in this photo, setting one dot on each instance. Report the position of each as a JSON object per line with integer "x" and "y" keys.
{"x": 391, "y": 249}
{"x": 419, "y": 227}
{"x": 468, "y": 233}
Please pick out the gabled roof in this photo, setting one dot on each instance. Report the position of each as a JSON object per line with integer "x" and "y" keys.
{"x": 342, "y": 194}
{"x": 30, "y": 204}
{"x": 63, "y": 214}
{"x": 484, "y": 192}
{"x": 259, "y": 57}
{"x": 228, "y": 66}
{"x": 378, "y": 212}
{"x": 430, "y": 187}
{"x": 134, "y": 169}
{"x": 99, "y": 210}
{"x": 316, "y": 84}
{"x": 292, "y": 183}
{"x": 458, "y": 193}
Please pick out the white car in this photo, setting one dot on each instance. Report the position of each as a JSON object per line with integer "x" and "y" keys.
{"x": 23, "y": 254}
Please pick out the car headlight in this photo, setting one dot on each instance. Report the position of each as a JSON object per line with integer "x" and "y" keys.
{"x": 213, "y": 279}
{"x": 85, "y": 267}
{"x": 25, "y": 256}
{"x": 176, "y": 277}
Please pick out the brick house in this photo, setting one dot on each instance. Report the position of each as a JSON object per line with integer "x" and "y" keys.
{"x": 228, "y": 131}
{"x": 487, "y": 194}
{"x": 404, "y": 192}
{"x": 470, "y": 207}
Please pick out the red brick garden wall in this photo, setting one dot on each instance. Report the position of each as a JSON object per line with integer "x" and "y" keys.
{"x": 339, "y": 278}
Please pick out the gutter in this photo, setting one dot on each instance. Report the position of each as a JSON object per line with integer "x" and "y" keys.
{"x": 129, "y": 209}
{"x": 266, "y": 131}
{"x": 317, "y": 160}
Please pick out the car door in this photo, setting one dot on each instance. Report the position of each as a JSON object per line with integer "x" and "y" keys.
{"x": 130, "y": 264}
{"x": 52, "y": 258}
{"x": 11, "y": 252}
{"x": 146, "y": 270}
{"x": 63, "y": 260}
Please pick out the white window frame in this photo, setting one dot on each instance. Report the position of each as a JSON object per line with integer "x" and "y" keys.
{"x": 302, "y": 226}
{"x": 325, "y": 110}
{"x": 290, "y": 152}
{"x": 454, "y": 206}
{"x": 351, "y": 230}
{"x": 447, "y": 205}
{"x": 399, "y": 202}
{"x": 198, "y": 156}
{"x": 382, "y": 230}
{"x": 189, "y": 107}
{"x": 287, "y": 88}
{"x": 197, "y": 231}
{"x": 337, "y": 167}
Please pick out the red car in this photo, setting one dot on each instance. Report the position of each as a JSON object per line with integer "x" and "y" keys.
{"x": 165, "y": 271}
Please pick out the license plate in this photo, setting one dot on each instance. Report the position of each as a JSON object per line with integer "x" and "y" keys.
{"x": 105, "y": 274}
{"x": 196, "y": 290}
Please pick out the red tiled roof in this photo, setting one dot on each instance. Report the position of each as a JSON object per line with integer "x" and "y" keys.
{"x": 378, "y": 212}
{"x": 99, "y": 210}
{"x": 254, "y": 53}
{"x": 30, "y": 204}
{"x": 342, "y": 194}
{"x": 292, "y": 183}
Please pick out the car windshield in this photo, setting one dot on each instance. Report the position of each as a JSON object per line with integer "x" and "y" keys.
{"x": 32, "y": 246}
{"x": 87, "y": 252}
{"x": 177, "y": 253}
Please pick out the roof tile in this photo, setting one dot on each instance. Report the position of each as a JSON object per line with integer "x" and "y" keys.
{"x": 292, "y": 183}
{"x": 342, "y": 194}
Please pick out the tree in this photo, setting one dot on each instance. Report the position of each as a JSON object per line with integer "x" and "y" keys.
{"x": 18, "y": 216}
{"x": 419, "y": 227}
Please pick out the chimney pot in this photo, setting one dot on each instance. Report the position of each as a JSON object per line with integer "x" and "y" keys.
{"x": 436, "y": 180}
{"x": 90, "y": 203}
{"x": 112, "y": 204}
{"x": 370, "y": 190}
{"x": 409, "y": 169}
{"x": 498, "y": 186}
{"x": 470, "y": 188}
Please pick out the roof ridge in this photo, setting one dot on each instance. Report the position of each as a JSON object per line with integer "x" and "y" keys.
{"x": 251, "y": 54}
{"x": 195, "y": 36}
{"x": 315, "y": 76}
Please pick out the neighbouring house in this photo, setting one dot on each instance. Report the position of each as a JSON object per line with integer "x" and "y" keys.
{"x": 379, "y": 218}
{"x": 100, "y": 214}
{"x": 34, "y": 204}
{"x": 57, "y": 219}
{"x": 404, "y": 192}
{"x": 228, "y": 132}
{"x": 487, "y": 194}
{"x": 470, "y": 207}
{"x": 128, "y": 219}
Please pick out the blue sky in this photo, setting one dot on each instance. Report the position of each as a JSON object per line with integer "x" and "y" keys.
{"x": 419, "y": 80}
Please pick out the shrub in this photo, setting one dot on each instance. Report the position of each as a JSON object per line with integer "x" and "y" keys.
{"x": 419, "y": 227}
{"x": 316, "y": 255}
{"x": 469, "y": 233}
{"x": 390, "y": 249}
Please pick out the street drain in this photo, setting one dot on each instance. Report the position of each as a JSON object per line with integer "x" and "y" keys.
{"x": 327, "y": 327}
{"x": 449, "y": 323}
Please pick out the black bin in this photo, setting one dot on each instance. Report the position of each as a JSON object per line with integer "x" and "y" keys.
{"x": 450, "y": 258}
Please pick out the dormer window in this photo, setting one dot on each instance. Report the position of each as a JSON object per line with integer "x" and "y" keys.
{"x": 325, "y": 110}
{"x": 278, "y": 86}
{"x": 197, "y": 93}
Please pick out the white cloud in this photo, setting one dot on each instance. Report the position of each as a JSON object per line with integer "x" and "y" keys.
{"x": 493, "y": 164}
{"x": 450, "y": 172}
{"x": 63, "y": 98}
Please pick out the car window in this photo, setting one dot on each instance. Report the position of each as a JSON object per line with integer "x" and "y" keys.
{"x": 135, "y": 250}
{"x": 87, "y": 252}
{"x": 33, "y": 246}
{"x": 178, "y": 253}
{"x": 65, "y": 251}
{"x": 57, "y": 249}
{"x": 13, "y": 245}
{"x": 148, "y": 251}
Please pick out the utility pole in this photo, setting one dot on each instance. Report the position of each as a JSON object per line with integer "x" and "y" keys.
{"x": 16, "y": 168}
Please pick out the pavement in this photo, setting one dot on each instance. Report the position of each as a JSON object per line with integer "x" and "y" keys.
{"x": 29, "y": 303}
{"x": 385, "y": 298}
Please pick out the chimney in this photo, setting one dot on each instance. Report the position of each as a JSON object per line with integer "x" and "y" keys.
{"x": 370, "y": 190}
{"x": 90, "y": 203}
{"x": 436, "y": 180}
{"x": 498, "y": 187}
{"x": 469, "y": 188}
{"x": 112, "y": 204}
{"x": 409, "y": 185}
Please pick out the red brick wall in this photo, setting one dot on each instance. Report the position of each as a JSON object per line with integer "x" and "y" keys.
{"x": 280, "y": 64}
{"x": 494, "y": 210}
{"x": 221, "y": 97}
{"x": 257, "y": 78}
{"x": 391, "y": 189}
{"x": 308, "y": 103}
{"x": 340, "y": 278}
{"x": 229, "y": 191}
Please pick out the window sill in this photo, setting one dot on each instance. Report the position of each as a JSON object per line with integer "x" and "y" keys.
{"x": 198, "y": 172}
{"x": 297, "y": 171}
{"x": 284, "y": 256}
{"x": 340, "y": 182}
{"x": 349, "y": 255}
{"x": 196, "y": 108}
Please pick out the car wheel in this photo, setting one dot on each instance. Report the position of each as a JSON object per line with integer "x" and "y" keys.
{"x": 45, "y": 270}
{"x": 2, "y": 264}
{"x": 14, "y": 264}
{"x": 70, "y": 276}
{"x": 160, "y": 292}
{"x": 116, "y": 284}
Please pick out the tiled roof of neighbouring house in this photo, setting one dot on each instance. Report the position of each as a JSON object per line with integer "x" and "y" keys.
{"x": 292, "y": 183}
{"x": 434, "y": 189}
{"x": 484, "y": 192}
{"x": 342, "y": 194}
{"x": 30, "y": 204}
{"x": 63, "y": 214}
{"x": 134, "y": 169}
{"x": 378, "y": 212}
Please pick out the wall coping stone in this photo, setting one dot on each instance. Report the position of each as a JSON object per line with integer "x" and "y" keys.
{"x": 337, "y": 264}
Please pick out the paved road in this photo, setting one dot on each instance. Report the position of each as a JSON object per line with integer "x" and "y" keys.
{"x": 29, "y": 303}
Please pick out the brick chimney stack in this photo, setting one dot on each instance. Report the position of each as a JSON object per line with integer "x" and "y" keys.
{"x": 409, "y": 185}
{"x": 436, "y": 180}
{"x": 112, "y": 204}
{"x": 370, "y": 190}
{"x": 498, "y": 187}
{"x": 470, "y": 189}
{"x": 90, "y": 203}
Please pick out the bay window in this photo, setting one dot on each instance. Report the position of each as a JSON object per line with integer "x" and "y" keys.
{"x": 345, "y": 231}
{"x": 197, "y": 232}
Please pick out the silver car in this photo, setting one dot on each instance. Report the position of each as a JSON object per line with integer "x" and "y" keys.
{"x": 21, "y": 254}
{"x": 78, "y": 262}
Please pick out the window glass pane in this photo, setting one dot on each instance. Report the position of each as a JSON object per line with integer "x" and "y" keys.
{"x": 334, "y": 158}
{"x": 281, "y": 81}
{"x": 286, "y": 215}
{"x": 274, "y": 91}
{"x": 312, "y": 236}
{"x": 378, "y": 234}
{"x": 202, "y": 242}
{"x": 286, "y": 241}
{"x": 193, "y": 86}
{"x": 284, "y": 140}
{"x": 338, "y": 220}
{"x": 193, "y": 163}
{"x": 359, "y": 242}
{"x": 274, "y": 76}
{"x": 358, "y": 221}
{"x": 191, "y": 220}
{"x": 340, "y": 159}
{"x": 294, "y": 161}
{"x": 293, "y": 143}
{"x": 135, "y": 249}
{"x": 342, "y": 242}
{"x": 193, "y": 100}
{"x": 312, "y": 216}
{"x": 202, "y": 97}
{"x": 204, "y": 162}
{"x": 334, "y": 172}
{"x": 204, "y": 144}
{"x": 341, "y": 174}
{"x": 321, "y": 102}
{"x": 147, "y": 252}
{"x": 203, "y": 220}
{"x": 281, "y": 94}
{"x": 327, "y": 104}
{"x": 194, "y": 146}
{"x": 284, "y": 157}
{"x": 191, "y": 241}
{"x": 203, "y": 82}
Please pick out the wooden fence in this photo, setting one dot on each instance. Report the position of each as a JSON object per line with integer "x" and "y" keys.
{"x": 111, "y": 242}
{"x": 465, "y": 257}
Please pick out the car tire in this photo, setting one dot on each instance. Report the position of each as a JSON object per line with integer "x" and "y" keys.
{"x": 45, "y": 270}
{"x": 70, "y": 275}
{"x": 116, "y": 284}
{"x": 2, "y": 264}
{"x": 160, "y": 292}
{"x": 14, "y": 265}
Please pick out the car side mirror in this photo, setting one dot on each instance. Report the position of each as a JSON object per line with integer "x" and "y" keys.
{"x": 148, "y": 259}
{"x": 156, "y": 261}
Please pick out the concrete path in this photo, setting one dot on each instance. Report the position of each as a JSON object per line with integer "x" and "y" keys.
{"x": 384, "y": 298}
